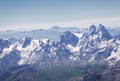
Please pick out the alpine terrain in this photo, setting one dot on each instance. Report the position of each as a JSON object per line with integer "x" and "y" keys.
{"x": 93, "y": 55}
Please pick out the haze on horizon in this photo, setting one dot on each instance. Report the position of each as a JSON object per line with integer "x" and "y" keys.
{"x": 30, "y": 14}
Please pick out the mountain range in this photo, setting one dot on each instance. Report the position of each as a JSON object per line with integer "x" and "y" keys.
{"x": 52, "y": 33}
{"x": 95, "y": 46}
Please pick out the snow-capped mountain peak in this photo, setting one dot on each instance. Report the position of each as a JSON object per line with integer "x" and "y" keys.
{"x": 92, "y": 30}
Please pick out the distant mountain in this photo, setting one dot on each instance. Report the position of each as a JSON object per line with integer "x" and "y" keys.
{"x": 52, "y": 33}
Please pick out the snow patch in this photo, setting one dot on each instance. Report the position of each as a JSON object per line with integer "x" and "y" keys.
{"x": 78, "y": 35}
{"x": 45, "y": 41}
{"x": 73, "y": 49}
{"x": 6, "y": 51}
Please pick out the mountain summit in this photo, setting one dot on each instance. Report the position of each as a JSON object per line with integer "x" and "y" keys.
{"x": 100, "y": 30}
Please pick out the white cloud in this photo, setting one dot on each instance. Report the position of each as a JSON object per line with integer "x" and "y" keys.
{"x": 109, "y": 22}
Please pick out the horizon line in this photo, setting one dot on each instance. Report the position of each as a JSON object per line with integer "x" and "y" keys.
{"x": 107, "y": 22}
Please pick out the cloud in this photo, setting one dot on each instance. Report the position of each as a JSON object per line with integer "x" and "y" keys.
{"x": 108, "y": 22}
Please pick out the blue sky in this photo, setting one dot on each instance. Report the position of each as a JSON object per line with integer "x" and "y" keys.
{"x": 36, "y": 12}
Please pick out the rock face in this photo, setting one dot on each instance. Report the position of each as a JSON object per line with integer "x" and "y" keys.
{"x": 27, "y": 42}
{"x": 3, "y": 44}
{"x": 69, "y": 38}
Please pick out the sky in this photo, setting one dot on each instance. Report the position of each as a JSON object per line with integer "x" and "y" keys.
{"x": 20, "y": 14}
